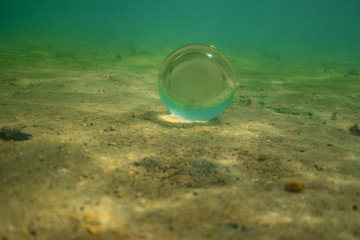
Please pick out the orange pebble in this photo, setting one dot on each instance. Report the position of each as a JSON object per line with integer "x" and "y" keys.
{"x": 294, "y": 187}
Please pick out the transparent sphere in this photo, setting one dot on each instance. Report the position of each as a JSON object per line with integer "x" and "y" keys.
{"x": 196, "y": 82}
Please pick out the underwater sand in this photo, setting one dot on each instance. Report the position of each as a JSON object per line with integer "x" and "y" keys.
{"x": 107, "y": 160}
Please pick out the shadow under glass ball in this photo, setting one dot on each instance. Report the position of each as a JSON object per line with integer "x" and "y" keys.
{"x": 196, "y": 82}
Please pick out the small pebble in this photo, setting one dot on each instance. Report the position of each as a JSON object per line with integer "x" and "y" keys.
{"x": 233, "y": 225}
{"x": 294, "y": 187}
{"x": 62, "y": 170}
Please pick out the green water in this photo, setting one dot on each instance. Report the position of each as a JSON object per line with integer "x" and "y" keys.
{"x": 264, "y": 40}
{"x": 272, "y": 29}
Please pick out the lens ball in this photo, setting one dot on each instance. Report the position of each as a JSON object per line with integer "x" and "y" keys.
{"x": 196, "y": 82}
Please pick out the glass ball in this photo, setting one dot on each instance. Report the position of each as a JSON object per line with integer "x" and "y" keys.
{"x": 196, "y": 82}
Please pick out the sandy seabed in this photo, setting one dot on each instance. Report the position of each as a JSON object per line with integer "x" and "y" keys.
{"x": 107, "y": 160}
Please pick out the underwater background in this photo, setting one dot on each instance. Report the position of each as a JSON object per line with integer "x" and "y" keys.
{"x": 89, "y": 151}
{"x": 274, "y": 29}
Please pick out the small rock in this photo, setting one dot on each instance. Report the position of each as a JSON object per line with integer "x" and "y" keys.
{"x": 294, "y": 187}
{"x": 354, "y": 130}
{"x": 33, "y": 233}
{"x": 232, "y": 225}
{"x": 261, "y": 158}
{"x": 353, "y": 72}
{"x": 118, "y": 57}
{"x": 15, "y": 134}
{"x": 334, "y": 116}
{"x": 303, "y": 130}
{"x": 62, "y": 170}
